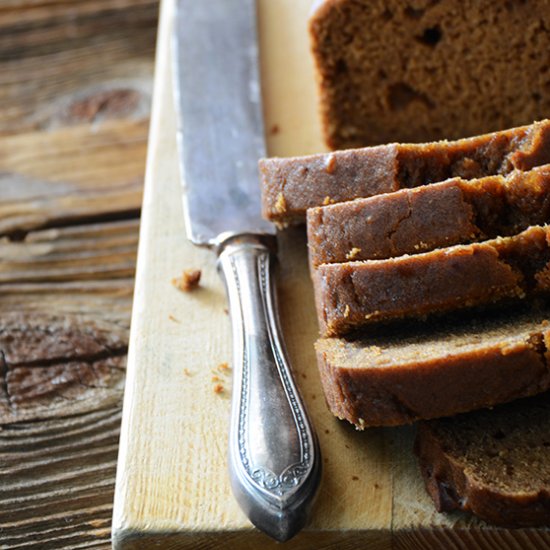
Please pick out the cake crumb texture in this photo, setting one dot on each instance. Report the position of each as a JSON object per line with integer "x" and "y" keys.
{"x": 390, "y": 70}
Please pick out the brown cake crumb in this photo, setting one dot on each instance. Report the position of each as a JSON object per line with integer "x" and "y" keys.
{"x": 492, "y": 463}
{"x": 371, "y": 96}
{"x": 275, "y": 129}
{"x": 353, "y": 253}
{"x": 280, "y": 204}
{"x": 330, "y": 164}
{"x": 189, "y": 280}
{"x": 218, "y": 388}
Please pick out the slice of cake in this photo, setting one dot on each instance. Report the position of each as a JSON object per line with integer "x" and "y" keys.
{"x": 354, "y": 294}
{"x": 422, "y": 370}
{"x": 292, "y": 185}
{"x": 424, "y": 218}
{"x": 494, "y": 463}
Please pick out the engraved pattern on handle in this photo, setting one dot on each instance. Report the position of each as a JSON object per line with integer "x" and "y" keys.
{"x": 274, "y": 455}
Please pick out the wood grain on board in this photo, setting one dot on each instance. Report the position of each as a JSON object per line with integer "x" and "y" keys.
{"x": 172, "y": 482}
{"x": 75, "y": 91}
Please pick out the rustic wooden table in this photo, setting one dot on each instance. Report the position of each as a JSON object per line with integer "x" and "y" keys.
{"x": 75, "y": 92}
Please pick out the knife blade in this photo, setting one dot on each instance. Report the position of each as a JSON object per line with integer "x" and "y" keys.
{"x": 274, "y": 457}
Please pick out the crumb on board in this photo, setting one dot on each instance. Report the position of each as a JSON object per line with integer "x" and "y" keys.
{"x": 327, "y": 200}
{"x": 224, "y": 367}
{"x": 187, "y": 372}
{"x": 353, "y": 253}
{"x": 355, "y": 478}
{"x": 330, "y": 163}
{"x": 172, "y": 318}
{"x": 218, "y": 388}
{"x": 275, "y": 129}
{"x": 189, "y": 280}
{"x": 280, "y": 204}
{"x": 216, "y": 378}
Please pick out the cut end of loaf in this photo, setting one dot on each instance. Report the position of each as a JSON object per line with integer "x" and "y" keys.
{"x": 421, "y": 88}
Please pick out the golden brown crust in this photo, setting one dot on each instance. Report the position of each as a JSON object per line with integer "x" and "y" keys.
{"x": 302, "y": 182}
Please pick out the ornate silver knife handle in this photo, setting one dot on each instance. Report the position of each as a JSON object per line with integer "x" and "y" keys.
{"x": 274, "y": 457}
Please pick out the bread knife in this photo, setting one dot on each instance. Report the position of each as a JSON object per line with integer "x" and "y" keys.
{"x": 274, "y": 457}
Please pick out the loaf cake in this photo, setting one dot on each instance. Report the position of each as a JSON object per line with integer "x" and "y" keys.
{"x": 422, "y": 370}
{"x": 424, "y": 218}
{"x": 390, "y": 70}
{"x": 292, "y": 185}
{"x": 495, "y": 463}
{"x": 353, "y": 294}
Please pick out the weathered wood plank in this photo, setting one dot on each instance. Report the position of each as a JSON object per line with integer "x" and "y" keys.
{"x": 75, "y": 90}
{"x": 81, "y": 253}
{"x": 78, "y": 176}
{"x": 57, "y": 478}
{"x": 73, "y": 62}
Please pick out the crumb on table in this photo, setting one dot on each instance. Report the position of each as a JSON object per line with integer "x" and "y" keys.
{"x": 172, "y": 318}
{"x": 218, "y": 388}
{"x": 189, "y": 280}
{"x": 224, "y": 367}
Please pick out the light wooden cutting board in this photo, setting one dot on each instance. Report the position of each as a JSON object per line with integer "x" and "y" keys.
{"x": 172, "y": 483}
